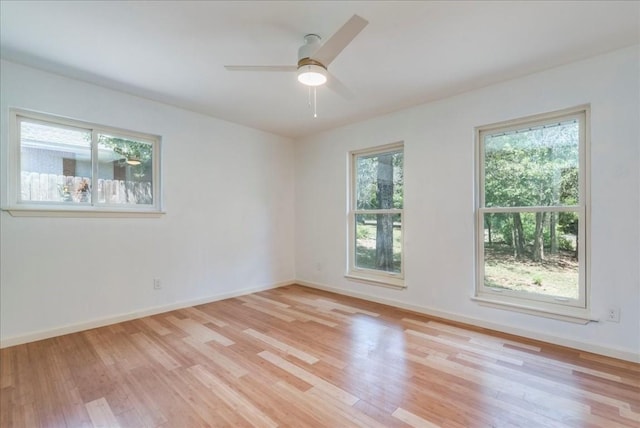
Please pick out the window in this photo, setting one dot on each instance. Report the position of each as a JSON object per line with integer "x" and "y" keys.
{"x": 531, "y": 217}
{"x": 69, "y": 166}
{"x": 376, "y": 215}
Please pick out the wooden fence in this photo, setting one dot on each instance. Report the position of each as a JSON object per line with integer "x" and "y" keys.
{"x": 35, "y": 186}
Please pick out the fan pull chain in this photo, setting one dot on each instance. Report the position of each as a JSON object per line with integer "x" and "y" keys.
{"x": 315, "y": 103}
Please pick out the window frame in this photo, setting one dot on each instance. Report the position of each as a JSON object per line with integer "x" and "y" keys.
{"x": 573, "y": 310}
{"x": 16, "y": 207}
{"x": 371, "y": 276}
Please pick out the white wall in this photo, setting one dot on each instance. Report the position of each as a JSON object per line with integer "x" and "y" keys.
{"x": 228, "y": 227}
{"x": 439, "y": 195}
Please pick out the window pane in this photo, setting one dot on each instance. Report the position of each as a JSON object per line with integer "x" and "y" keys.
{"x": 379, "y": 242}
{"x": 532, "y": 166}
{"x": 534, "y": 253}
{"x": 55, "y": 163}
{"x": 125, "y": 171}
{"x": 379, "y": 180}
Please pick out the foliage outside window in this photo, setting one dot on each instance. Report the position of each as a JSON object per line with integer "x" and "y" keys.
{"x": 531, "y": 214}
{"x": 67, "y": 165}
{"x": 376, "y": 215}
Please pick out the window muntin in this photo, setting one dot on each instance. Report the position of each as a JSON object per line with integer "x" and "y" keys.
{"x": 71, "y": 165}
{"x": 531, "y": 215}
{"x": 376, "y": 215}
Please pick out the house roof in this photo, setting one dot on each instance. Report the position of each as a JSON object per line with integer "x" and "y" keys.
{"x": 410, "y": 53}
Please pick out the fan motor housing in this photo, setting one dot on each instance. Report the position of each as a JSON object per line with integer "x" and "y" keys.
{"x": 308, "y": 61}
{"x": 311, "y": 44}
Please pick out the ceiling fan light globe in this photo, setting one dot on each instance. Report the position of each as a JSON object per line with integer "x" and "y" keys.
{"x": 312, "y": 75}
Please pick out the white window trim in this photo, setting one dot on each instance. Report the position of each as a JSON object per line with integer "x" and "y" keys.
{"x": 371, "y": 276}
{"x": 18, "y": 208}
{"x": 578, "y": 311}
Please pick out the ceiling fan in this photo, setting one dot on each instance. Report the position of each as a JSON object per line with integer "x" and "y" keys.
{"x": 314, "y": 57}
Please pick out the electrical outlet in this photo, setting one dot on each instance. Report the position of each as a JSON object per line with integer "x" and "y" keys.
{"x": 156, "y": 284}
{"x": 613, "y": 314}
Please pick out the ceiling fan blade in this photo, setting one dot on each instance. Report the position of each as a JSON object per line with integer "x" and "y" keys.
{"x": 261, "y": 67}
{"x": 340, "y": 39}
{"x": 338, "y": 87}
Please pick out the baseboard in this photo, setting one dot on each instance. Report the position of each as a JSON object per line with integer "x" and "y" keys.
{"x": 101, "y": 322}
{"x": 561, "y": 341}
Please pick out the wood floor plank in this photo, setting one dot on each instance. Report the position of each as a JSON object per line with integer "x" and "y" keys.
{"x": 100, "y": 343}
{"x": 488, "y": 343}
{"x": 344, "y": 308}
{"x": 270, "y": 311}
{"x": 320, "y": 399}
{"x": 155, "y": 352}
{"x": 294, "y": 413}
{"x": 288, "y": 349}
{"x": 302, "y": 316}
{"x": 130, "y": 401}
{"x": 473, "y": 349}
{"x": 199, "y": 331}
{"x": 101, "y": 414}
{"x": 198, "y": 398}
{"x": 295, "y": 356}
{"x": 472, "y": 335}
{"x": 26, "y": 416}
{"x": 234, "y": 400}
{"x": 222, "y": 361}
{"x": 311, "y": 415}
{"x": 309, "y": 377}
{"x": 256, "y": 298}
{"x": 203, "y": 317}
{"x": 156, "y": 326}
{"x": 412, "y": 420}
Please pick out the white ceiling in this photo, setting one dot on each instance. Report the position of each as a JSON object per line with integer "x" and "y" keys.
{"x": 410, "y": 53}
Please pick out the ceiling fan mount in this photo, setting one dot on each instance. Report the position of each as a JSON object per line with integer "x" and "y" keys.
{"x": 311, "y": 44}
{"x": 314, "y": 57}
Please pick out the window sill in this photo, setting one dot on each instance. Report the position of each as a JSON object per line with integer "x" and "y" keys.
{"x": 389, "y": 282}
{"x": 573, "y": 315}
{"x": 77, "y": 213}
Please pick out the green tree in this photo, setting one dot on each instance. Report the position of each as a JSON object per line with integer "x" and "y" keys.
{"x": 524, "y": 169}
{"x": 128, "y": 149}
{"x": 384, "y": 222}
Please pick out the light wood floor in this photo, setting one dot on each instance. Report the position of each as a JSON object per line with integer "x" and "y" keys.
{"x": 299, "y": 357}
